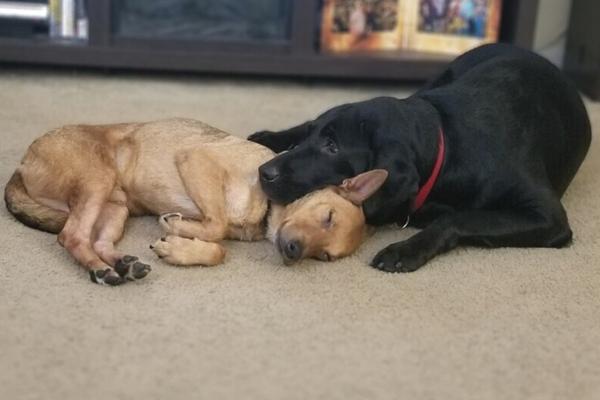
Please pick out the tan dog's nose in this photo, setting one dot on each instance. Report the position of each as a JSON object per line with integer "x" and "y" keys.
{"x": 291, "y": 250}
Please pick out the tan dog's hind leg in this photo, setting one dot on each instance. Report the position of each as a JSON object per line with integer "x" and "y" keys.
{"x": 181, "y": 251}
{"x": 76, "y": 235}
{"x": 109, "y": 229}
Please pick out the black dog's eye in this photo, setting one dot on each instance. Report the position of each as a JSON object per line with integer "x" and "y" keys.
{"x": 328, "y": 221}
{"x": 330, "y": 146}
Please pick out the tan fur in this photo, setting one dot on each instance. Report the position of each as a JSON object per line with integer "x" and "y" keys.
{"x": 304, "y": 220}
{"x": 177, "y": 250}
{"x": 30, "y": 212}
{"x": 86, "y": 180}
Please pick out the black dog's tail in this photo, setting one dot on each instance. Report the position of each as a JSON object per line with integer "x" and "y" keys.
{"x": 28, "y": 211}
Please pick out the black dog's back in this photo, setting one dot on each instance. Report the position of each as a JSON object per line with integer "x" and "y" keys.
{"x": 512, "y": 98}
{"x": 470, "y": 59}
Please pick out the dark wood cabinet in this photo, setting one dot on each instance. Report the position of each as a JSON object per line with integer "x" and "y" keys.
{"x": 582, "y": 55}
{"x": 294, "y": 53}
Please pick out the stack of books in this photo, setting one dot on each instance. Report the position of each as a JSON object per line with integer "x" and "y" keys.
{"x": 68, "y": 19}
{"x": 65, "y": 18}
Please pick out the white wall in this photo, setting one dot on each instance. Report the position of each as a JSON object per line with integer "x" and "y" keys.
{"x": 551, "y": 27}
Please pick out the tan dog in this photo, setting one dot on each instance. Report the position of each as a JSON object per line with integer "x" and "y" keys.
{"x": 84, "y": 181}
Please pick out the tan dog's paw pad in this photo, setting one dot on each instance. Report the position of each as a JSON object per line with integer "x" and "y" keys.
{"x": 130, "y": 268}
{"x": 168, "y": 220}
{"x": 106, "y": 276}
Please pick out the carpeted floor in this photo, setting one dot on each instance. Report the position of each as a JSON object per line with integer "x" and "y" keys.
{"x": 473, "y": 324}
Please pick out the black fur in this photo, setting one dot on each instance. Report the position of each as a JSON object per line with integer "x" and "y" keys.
{"x": 516, "y": 133}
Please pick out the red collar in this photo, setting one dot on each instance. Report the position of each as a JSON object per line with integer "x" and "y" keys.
{"x": 435, "y": 173}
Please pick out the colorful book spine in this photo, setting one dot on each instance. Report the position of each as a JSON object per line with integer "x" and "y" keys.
{"x": 67, "y": 19}
{"x": 67, "y": 22}
{"x": 54, "y": 18}
{"x": 81, "y": 20}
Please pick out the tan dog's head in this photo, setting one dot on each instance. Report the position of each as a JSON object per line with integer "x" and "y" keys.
{"x": 329, "y": 223}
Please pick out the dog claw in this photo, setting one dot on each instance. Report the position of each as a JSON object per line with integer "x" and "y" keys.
{"x": 169, "y": 220}
{"x": 167, "y": 216}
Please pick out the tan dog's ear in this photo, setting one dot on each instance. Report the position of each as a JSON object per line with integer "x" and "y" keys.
{"x": 363, "y": 186}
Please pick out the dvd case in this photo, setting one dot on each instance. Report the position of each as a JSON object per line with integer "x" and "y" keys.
{"x": 361, "y": 25}
{"x": 441, "y": 26}
{"x": 451, "y": 26}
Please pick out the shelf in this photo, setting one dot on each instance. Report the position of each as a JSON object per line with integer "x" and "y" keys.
{"x": 293, "y": 57}
{"x": 393, "y": 65}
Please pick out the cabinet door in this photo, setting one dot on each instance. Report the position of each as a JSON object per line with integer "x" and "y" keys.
{"x": 203, "y": 20}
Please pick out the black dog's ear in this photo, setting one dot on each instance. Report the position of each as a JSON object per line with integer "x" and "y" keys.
{"x": 406, "y": 185}
{"x": 283, "y": 140}
{"x": 393, "y": 202}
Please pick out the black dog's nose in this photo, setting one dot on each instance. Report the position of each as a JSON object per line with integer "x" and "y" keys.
{"x": 293, "y": 250}
{"x": 268, "y": 173}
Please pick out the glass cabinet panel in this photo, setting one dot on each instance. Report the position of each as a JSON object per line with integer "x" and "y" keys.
{"x": 206, "y": 20}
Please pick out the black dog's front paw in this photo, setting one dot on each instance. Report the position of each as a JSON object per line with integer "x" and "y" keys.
{"x": 399, "y": 257}
{"x": 263, "y": 137}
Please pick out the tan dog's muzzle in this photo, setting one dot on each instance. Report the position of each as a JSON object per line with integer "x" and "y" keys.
{"x": 291, "y": 249}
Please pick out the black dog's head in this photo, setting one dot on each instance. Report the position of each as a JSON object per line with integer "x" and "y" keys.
{"x": 335, "y": 146}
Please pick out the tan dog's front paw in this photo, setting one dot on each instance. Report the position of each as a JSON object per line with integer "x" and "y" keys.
{"x": 181, "y": 251}
{"x": 169, "y": 220}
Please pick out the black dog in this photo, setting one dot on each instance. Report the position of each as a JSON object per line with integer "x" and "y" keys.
{"x": 491, "y": 145}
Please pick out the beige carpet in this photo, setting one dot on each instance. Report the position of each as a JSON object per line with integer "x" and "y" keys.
{"x": 473, "y": 324}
